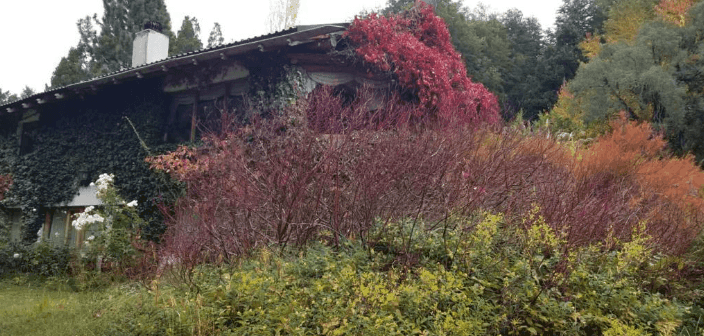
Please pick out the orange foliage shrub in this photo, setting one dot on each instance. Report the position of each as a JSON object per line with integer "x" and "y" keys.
{"x": 622, "y": 150}
{"x": 666, "y": 190}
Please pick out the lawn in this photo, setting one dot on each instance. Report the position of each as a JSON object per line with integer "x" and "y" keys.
{"x": 52, "y": 308}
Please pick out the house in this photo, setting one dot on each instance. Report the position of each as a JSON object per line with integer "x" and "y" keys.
{"x": 53, "y": 155}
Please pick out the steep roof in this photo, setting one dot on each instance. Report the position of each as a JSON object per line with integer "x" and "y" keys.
{"x": 289, "y": 37}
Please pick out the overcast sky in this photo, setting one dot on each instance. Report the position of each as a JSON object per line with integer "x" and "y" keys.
{"x": 35, "y": 34}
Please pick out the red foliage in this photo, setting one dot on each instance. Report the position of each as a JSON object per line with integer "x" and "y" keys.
{"x": 5, "y": 184}
{"x": 415, "y": 45}
{"x": 281, "y": 181}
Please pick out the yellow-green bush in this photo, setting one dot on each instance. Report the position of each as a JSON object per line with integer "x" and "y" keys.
{"x": 471, "y": 276}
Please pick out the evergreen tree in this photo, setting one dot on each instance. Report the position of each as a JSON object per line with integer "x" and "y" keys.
{"x": 121, "y": 21}
{"x": 27, "y": 92}
{"x": 110, "y": 49}
{"x": 523, "y": 79}
{"x": 6, "y": 97}
{"x": 575, "y": 19}
{"x": 188, "y": 38}
{"x": 215, "y": 38}
{"x": 71, "y": 69}
{"x": 396, "y": 6}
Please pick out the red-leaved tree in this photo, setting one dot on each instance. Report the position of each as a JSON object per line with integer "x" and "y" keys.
{"x": 415, "y": 46}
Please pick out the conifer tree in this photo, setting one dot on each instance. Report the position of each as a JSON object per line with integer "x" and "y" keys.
{"x": 188, "y": 37}
{"x": 71, "y": 69}
{"x": 215, "y": 38}
{"x": 27, "y": 92}
{"x": 110, "y": 48}
{"x": 6, "y": 97}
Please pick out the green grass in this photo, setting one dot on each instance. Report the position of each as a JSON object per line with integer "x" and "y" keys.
{"x": 30, "y": 307}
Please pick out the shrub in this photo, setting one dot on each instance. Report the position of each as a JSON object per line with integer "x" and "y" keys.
{"x": 41, "y": 259}
{"x": 282, "y": 181}
{"x": 474, "y": 276}
{"x": 279, "y": 180}
{"x": 415, "y": 46}
{"x": 663, "y": 190}
{"x": 111, "y": 228}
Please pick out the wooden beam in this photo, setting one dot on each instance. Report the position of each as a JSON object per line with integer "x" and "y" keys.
{"x": 317, "y": 59}
{"x": 293, "y": 43}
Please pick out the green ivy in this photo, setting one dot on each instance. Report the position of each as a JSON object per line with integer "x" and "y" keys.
{"x": 77, "y": 140}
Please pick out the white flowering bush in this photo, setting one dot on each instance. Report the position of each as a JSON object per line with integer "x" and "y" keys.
{"x": 109, "y": 228}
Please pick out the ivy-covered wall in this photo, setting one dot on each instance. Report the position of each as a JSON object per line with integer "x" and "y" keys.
{"x": 4, "y": 228}
{"x": 75, "y": 141}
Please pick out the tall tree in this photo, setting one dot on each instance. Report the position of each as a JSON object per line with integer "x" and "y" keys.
{"x": 215, "y": 38}
{"x": 283, "y": 14}
{"x": 575, "y": 19}
{"x": 625, "y": 19}
{"x": 655, "y": 76}
{"x": 188, "y": 37}
{"x": 6, "y": 97}
{"x": 111, "y": 49}
{"x": 71, "y": 69}
{"x": 523, "y": 80}
{"x": 397, "y": 6}
{"x": 27, "y": 92}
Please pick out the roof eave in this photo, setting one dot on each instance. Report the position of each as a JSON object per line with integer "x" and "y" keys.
{"x": 304, "y": 34}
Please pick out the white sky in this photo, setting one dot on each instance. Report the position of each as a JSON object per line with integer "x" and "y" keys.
{"x": 36, "y": 34}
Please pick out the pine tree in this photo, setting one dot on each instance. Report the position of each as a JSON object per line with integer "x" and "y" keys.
{"x": 215, "y": 38}
{"x": 71, "y": 69}
{"x": 111, "y": 49}
{"x": 188, "y": 38}
{"x": 27, "y": 92}
{"x": 523, "y": 79}
{"x": 6, "y": 97}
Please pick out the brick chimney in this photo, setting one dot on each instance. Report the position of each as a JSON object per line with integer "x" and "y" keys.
{"x": 150, "y": 45}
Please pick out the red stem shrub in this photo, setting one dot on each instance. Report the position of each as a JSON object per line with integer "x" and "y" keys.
{"x": 282, "y": 181}
{"x": 415, "y": 46}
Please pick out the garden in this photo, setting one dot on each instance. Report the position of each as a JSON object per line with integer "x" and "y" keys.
{"x": 426, "y": 214}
